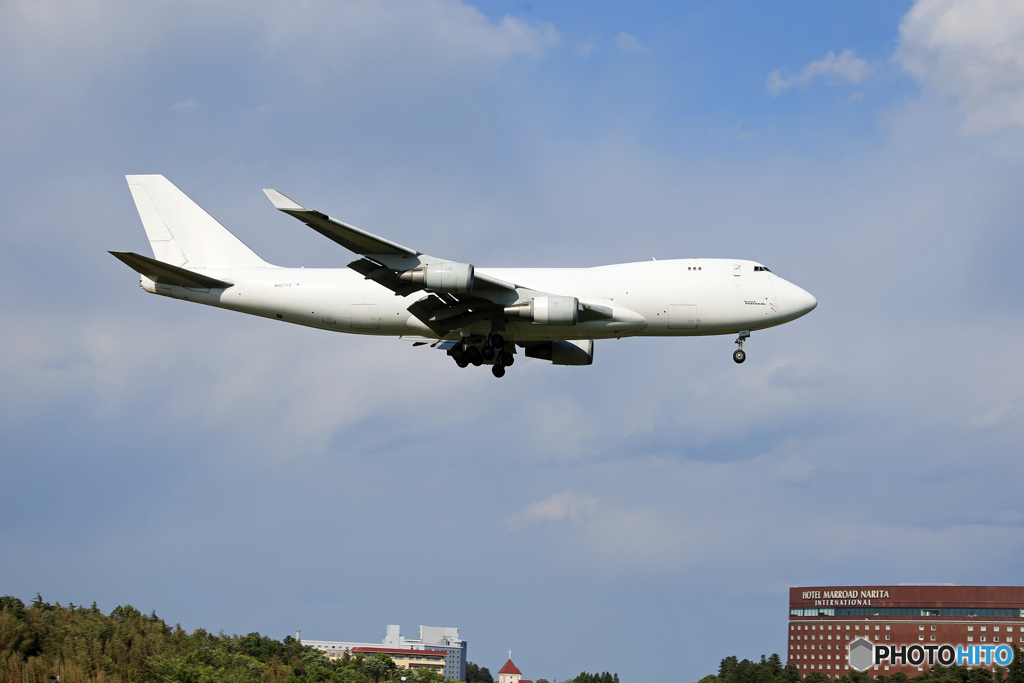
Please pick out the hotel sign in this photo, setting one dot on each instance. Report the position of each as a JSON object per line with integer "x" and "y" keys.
{"x": 841, "y": 598}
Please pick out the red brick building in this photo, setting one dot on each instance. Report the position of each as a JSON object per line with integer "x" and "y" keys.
{"x": 824, "y": 620}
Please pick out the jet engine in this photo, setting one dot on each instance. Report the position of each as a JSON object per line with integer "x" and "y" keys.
{"x": 446, "y": 276}
{"x": 547, "y": 310}
{"x": 568, "y": 352}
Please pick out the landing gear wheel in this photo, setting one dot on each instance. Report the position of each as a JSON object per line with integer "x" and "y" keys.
{"x": 507, "y": 358}
{"x": 474, "y": 356}
{"x": 497, "y": 341}
{"x": 462, "y": 362}
{"x": 456, "y": 352}
{"x": 487, "y": 352}
{"x": 739, "y": 355}
{"x": 498, "y": 370}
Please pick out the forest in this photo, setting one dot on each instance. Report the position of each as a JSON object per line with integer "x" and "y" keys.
{"x": 84, "y": 645}
{"x": 128, "y": 646}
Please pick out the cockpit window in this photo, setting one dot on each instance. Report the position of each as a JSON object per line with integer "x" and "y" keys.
{"x": 760, "y": 268}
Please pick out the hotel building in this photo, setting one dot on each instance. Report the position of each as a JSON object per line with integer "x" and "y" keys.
{"x": 824, "y": 620}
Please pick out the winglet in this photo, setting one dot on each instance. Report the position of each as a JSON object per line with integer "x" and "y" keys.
{"x": 281, "y": 202}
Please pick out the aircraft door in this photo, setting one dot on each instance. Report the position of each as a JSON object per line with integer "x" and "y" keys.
{"x": 682, "y": 317}
{"x": 364, "y": 317}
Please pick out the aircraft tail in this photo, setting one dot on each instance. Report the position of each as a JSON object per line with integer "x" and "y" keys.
{"x": 181, "y": 233}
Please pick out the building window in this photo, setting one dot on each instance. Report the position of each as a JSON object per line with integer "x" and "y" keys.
{"x": 970, "y": 639}
{"x": 876, "y": 627}
{"x": 920, "y": 637}
{"x": 856, "y": 627}
{"x": 887, "y": 637}
{"x": 995, "y": 628}
{"x": 933, "y": 637}
{"x": 933, "y": 627}
{"x": 995, "y": 639}
{"x": 876, "y": 637}
{"x": 984, "y": 627}
{"x": 888, "y": 628}
{"x": 921, "y": 627}
{"x": 982, "y": 639}
{"x": 970, "y": 628}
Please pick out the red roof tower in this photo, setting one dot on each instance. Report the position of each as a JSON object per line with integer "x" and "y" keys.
{"x": 510, "y": 668}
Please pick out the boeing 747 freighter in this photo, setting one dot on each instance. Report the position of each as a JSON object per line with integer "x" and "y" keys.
{"x": 479, "y": 316}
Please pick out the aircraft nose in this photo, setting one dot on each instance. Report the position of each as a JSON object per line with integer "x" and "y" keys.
{"x": 793, "y": 301}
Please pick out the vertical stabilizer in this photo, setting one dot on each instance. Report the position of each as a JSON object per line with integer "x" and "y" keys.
{"x": 181, "y": 233}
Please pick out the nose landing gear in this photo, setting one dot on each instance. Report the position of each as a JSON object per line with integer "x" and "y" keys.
{"x": 739, "y": 355}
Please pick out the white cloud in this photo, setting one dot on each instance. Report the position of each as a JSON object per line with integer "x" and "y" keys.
{"x": 401, "y": 38}
{"x": 971, "y": 51}
{"x": 68, "y": 44}
{"x": 558, "y": 506}
{"x": 630, "y": 44}
{"x": 846, "y": 66}
{"x": 585, "y": 49}
{"x": 187, "y": 105}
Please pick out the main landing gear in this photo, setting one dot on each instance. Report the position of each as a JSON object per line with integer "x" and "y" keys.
{"x": 739, "y": 355}
{"x": 493, "y": 350}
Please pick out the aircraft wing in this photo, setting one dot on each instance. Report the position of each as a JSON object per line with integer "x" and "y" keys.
{"x": 385, "y": 262}
{"x": 348, "y": 236}
{"x": 381, "y": 254}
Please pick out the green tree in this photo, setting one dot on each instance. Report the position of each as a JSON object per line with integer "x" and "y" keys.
{"x": 1015, "y": 672}
{"x": 478, "y": 674}
{"x": 379, "y": 667}
{"x": 980, "y": 675}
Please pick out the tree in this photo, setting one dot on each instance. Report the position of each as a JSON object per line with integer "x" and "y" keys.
{"x": 980, "y": 675}
{"x": 1015, "y": 672}
{"x": 426, "y": 675}
{"x": 379, "y": 667}
{"x": 478, "y": 674}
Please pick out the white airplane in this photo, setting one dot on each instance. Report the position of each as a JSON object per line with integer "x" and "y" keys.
{"x": 479, "y": 316}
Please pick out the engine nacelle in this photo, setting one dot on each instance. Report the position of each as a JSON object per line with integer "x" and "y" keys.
{"x": 446, "y": 276}
{"x": 547, "y": 310}
{"x": 567, "y": 352}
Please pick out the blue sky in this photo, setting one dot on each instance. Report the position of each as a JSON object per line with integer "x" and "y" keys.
{"x": 645, "y": 515}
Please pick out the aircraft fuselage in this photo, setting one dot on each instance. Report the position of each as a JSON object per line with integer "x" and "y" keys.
{"x": 670, "y": 298}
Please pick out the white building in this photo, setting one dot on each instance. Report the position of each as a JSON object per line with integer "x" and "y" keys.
{"x": 438, "y": 638}
{"x": 441, "y": 638}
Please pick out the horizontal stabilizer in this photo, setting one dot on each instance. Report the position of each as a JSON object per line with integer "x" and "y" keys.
{"x": 158, "y": 271}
